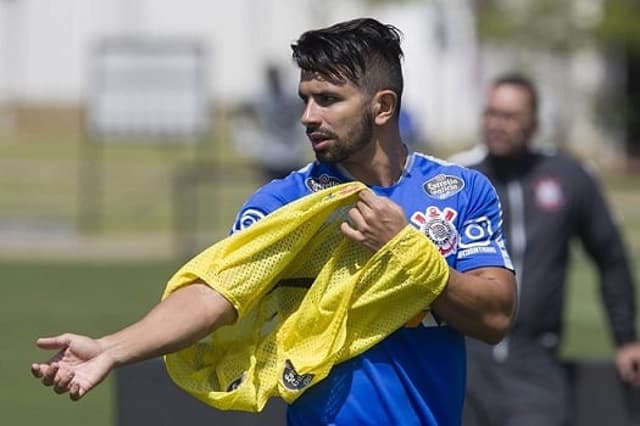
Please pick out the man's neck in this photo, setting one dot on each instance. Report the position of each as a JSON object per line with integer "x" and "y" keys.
{"x": 511, "y": 166}
{"x": 383, "y": 165}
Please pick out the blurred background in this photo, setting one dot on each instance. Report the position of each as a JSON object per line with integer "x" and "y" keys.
{"x": 130, "y": 133}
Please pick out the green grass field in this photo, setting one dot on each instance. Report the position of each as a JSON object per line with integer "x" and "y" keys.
{"x": 46, "y": 299}
{"x": 39, "y": 300}
{"x": 38, "y": 174}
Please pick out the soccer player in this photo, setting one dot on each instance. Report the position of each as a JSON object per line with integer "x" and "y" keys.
{"x": 351, "y": 85}
{"x": 549, "y": 199}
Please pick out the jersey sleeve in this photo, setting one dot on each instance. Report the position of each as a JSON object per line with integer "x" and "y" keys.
{"x": 269, "y": 198}
{"x": 256, "y": 207}
{"x": 481, "y": 239}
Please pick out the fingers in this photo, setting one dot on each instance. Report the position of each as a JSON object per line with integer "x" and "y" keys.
{"x": 362, "y": 216}
{"x": 47, "y": 371}
{"x": 370, "y": 205}
{"x": 76, "y": 392}
{"x": 357, "y": 236}
{"x": 50, "y": 343}
{"x": 58, "y": 372}
{"x": 373, "y": 221}
{"x": 48, "y": 374}
{"x": 378, "y": 207}
{"x": 628, "y": 363}
{"x": 62, "y": 381}
{"x": 38, "y": 370}
{"x": 350, "y": 232}
{"x": 631, "y": 373}
{"x": 356, "y": 219}
{"x": 368, "y": 197}
{"x": 41, "y": 370}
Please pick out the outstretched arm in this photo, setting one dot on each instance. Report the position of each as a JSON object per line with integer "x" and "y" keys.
{"x": 181, "y": 319}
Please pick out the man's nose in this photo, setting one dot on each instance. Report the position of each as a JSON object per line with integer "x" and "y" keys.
{"x": 493, "y": 121}
{"x": 310, "y": 114}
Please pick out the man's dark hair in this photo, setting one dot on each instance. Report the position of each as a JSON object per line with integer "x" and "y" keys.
{"x": 520, "y": 80}
{"x": 363, "y": 51}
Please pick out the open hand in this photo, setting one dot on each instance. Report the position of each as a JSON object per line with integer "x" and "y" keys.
{"x": 78, "y": 366}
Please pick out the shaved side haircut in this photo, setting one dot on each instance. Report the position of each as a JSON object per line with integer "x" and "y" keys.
{"x": 362, "y": 51}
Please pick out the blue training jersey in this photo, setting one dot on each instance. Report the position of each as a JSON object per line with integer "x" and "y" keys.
{"x": 416, "y": 376}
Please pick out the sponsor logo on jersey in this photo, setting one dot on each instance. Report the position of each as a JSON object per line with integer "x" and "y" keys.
{"x": 292, "y": 380}
{"x": 246, "y": 218}
{"x": 443, "y": 186}
{"x": 321, "y": 182}
{"x": 476, "y": 233}
{"x": 438, "y": 226}
{"x": 548, "y": 195}
{"x": 475, "y": 251}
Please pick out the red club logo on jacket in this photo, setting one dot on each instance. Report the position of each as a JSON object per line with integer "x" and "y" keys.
{"x": 547, "y": 194}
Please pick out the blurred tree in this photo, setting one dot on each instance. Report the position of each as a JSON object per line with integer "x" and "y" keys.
{"x": 544, "y": 24}
{"x": 619, "y": 24}
{"x": 561, "y": 27}
{"x": 376, "y": 2}
{"x": 620, "y": 27}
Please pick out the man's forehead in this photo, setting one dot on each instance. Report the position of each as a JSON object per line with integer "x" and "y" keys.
{"x": 306, "y": 75}
{"x": 338, "y": 76}
{"x": 318, "y": 79}
{"x": 516, "y": 97}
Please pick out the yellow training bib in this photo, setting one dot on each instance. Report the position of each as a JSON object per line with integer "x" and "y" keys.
{"x": 307, "y": 298}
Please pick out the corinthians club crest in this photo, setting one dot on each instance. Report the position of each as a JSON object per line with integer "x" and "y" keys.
{"x": 548, "y": 194}
{"x": 438, "y": 226}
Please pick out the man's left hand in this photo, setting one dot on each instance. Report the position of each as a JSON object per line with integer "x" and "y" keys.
{"x": 373, "y": 221}
{"x": 628, "y": 363}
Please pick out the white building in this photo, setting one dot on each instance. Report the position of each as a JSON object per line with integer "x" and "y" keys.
{"x": 45, "y": 50}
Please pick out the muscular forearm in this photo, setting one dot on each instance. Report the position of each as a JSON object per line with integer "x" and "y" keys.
{"x": 180, "y": 320}
{"x": 479, "y": 303}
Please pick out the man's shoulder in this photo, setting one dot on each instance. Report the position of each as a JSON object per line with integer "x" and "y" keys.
{"x": 311, "y": 178}
{"x": 470, "y": 158}
{"x": 564, "y": 163}
{"x": 288, "y": 188}
{"x": 444, "y": 178}
{"x": 429, "y": 164}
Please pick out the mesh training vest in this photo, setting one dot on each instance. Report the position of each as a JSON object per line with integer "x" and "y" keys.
{"x": 307, "y": 298}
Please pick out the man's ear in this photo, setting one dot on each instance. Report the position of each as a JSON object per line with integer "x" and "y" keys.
{"x": 384, "y": 106}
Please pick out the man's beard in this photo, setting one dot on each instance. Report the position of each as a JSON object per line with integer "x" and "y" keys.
{"x": 357, "y": 138}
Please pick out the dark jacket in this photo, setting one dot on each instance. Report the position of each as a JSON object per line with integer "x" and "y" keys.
{"x": 548, "y": 200}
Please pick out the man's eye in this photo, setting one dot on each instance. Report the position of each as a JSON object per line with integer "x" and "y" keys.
{"x": 501, "y": 115}
{"x": 327, "y": 99}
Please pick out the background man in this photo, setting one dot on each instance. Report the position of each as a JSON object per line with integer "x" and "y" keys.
{"x": 548, "y": 200}
{"x": 273, "y": 139}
